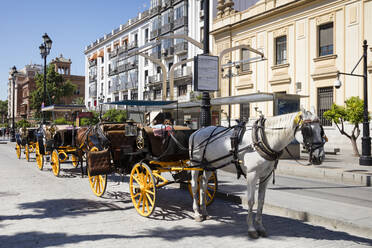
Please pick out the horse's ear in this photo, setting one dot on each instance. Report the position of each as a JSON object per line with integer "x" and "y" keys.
{"x": 312, "y": 110}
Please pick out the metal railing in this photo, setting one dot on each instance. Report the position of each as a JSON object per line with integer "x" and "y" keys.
{"x": 181, "y": 48}
{"x": 132, "y": 45}
{"x": 183, "y": 72}
{"x": 167, "y": 28}
{"x": 180, "y": 22}
{"x": 92, "y": 63}
{"x": 92, "y": 78}
{"x": 154, "y": 33}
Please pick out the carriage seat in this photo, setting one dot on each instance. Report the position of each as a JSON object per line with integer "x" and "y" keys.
{"x": 156, "y": 142}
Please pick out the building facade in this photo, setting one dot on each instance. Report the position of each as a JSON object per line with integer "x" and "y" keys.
{"x": 24, "y": 85}
{"x": 305, "y": 43}
{"x": 113, "y": 73}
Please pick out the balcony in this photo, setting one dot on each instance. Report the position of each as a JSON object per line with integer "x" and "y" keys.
{"x": 155, "y": 10}
{"x": 180, "y": 22}
{"x": 122, "y": 49}
{"x": 132, "y": 45}
{"x": 167, "y": 53}
{"x": 93, "y": 78}
{"x": 166, "y": 4}
{"x": 183, "y": 72}
{"x": 113, "y": 72}
{"x": 113, "y": 54}
{"x": 166, "y": 28}
{"x": 93, "y": 90}
{"x": 156, "y": 78}
{"x": 154, "y": 34}
{"x": 131, "y": 66}
{"x": 92, "y": 63}
{"x": 181, "y": 48}
{"x": 122, "y": 68}
{"x": 155, "y": 55}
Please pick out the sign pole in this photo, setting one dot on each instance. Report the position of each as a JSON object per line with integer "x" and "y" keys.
{"x": 205, "y": 112}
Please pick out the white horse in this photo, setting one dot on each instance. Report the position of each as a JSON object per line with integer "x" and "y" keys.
{"x": 210, "y": 143}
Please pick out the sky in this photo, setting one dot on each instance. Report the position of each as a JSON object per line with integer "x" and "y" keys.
{"x": 71, "y": 24}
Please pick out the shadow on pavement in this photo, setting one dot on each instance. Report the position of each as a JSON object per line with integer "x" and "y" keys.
{"x": 41, "y": 240}
{"x": 58, "y": 208}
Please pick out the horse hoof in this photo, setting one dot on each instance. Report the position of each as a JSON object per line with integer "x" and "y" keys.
{"x": 253, "y": 234}
{"x": 199, "y": 218}
{"x": 207, "y": 217}
{"x": 262, "y": 233}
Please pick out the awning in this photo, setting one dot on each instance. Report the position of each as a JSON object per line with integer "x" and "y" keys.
{"x": 141, "y": 103}
{"x": 109, "y": 49}
{"x": 101, "y": 53}
{"x": 63, "y": 108}
{"x": 93, "y": 57}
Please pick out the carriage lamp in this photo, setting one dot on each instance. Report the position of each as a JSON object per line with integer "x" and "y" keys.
{"x": 44, "y": 52}
{"x": 366, "y": 158}
{"x": 12, "y": 132}
{"x": 130, "y": 128}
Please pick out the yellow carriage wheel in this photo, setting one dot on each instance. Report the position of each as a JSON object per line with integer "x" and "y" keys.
{"x": 27, "y": 153}
{"x": 18, "y": 151}
{"x": 39, "y": 157}
{"x": 97, "y": 183}
{"x": 74, "y": 160}
{"x": 142, "y": 189}
{"x": 55, "y": 163}
{"x": 212, "y": 186}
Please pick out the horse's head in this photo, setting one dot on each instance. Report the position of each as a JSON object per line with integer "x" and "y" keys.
{"x": 312, "y": 136}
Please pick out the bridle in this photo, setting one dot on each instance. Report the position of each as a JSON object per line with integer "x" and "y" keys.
{"x": 307, "y": 134}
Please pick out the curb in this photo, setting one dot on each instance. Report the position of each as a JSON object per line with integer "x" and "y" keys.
{"x": 340, "y": 175}
{"x": 304, "y": 216}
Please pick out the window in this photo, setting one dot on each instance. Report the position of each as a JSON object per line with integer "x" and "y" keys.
{"x": 325, "y": 101}
{"x": 102, "y": 60}
{"x": 116, "y": 98}
{"x": 169, "y": 66}
{"x": 146, "y": 76}
{"x": 202, "y": 34}
{"x": 281, "y": 50}
{"x": 134, "y": 96}
{"x": 179, "y": 12}
{"x": 102, "y": 71}
{"x": 182, "y": 90}
{"x": 325, "y": 36}
{"x": 125, "y": 97}
{"x": 146, "y": 35}
{"x": 244, "y": 111}
{"x": 157, "y": 94}
{"x": 244, "y": 55}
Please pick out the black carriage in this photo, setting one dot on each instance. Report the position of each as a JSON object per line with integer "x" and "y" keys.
{"x": 26, "y": 140}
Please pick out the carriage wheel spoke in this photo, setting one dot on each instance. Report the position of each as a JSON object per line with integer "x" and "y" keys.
{"x": 150, "y": 192}
{"x": 139, "y": 201}
{"x": 211, "y": 187}
{"x": 144, "y": 203}
{"x": 137, "y": 179}
{"x": 210, "y": 196}
{"x": 149, "y": 197}
{"x": 135, "y": 196}
{"x": 147, "y": 205}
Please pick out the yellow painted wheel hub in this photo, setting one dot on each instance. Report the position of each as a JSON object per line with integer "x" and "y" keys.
{"x": 39, "y": 158}
{"x": 18, "y": 151}
{"x": 212, "y": 186}
{"x": 143, "y": 189}
{"x": 55, "y": 163}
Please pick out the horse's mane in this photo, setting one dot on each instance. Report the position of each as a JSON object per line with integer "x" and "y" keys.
{"x": 280, "y": 129}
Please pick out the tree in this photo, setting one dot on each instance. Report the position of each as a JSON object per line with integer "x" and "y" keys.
{"x": 90, "y": 121}
{"x": 57, "y": 88}
{"x": 352, "y": 113}
{"x": 23, "y": 124}
{"x": 3, "y": 109}
{"x": 115, "y": 115}
{"x": 79, "y": 101}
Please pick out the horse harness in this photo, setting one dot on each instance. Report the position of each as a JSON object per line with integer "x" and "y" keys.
{"x": 307, "y": 133}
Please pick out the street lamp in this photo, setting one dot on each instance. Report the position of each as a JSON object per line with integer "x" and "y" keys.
{"x": 366, "y": 158}
{"x": 12, "y": 132}
{"x": 205, "y": 111}
{"x": 230, "y": 75}
{"x": 44, "y": 52}
{"x": 101, "y": 99}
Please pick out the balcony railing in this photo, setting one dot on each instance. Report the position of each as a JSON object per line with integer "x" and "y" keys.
{"x": 180, "y": 22}
{"x": 181, "y": 48}
{"x": 167, "y": 53}
{"x": 92, "y": 78}
{"x": 166, "y": 28}
{"x": 182, "y": 72}
{"x": 122, "y": 49}
{"x": 113, "y": 72}
{"x": 131, "y": 66}
{"x": 155, "y": 78}
{"x": 113, "y": 54}
{"x": 92, "y": 63}
{"x": 155, "y": 55}
{"x": 93, "y": 91}
{"x": 122, "y": 68}
{"x": 154, "y": 33}
{"x": 166, "y": 4}
{"x": 116, "y": 30}
{"x": 132, "y": 45}
{"x": 155, "y": 10}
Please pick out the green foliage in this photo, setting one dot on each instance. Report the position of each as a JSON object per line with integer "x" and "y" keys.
{"x": 79, "y": 101}
{"x": 57, "y": 88}
{"x": 62, "y": 121}
{"x": 90, "y": 121}
{"x": 3, "y": 109}
{"x": 4, "y": 124}
{"x": 353, "y": 112}
{"x": 23, "y": 124}
{"x": 115, "y": 115}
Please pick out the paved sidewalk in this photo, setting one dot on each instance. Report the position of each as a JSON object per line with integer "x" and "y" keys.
{"x": 334, "y": 194}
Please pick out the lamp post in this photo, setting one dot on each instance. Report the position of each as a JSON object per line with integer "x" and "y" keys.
{"x": 205, "y": 112}
{"x": 101, "y": 99}
{"x": 366, "y": 158}
{"x": 44, "y": 52}
{"x": 230, "y": 75}
{"x": 12, "y": 132}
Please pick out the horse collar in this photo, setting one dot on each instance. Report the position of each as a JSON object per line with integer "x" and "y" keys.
{"x": 260, "y": 142}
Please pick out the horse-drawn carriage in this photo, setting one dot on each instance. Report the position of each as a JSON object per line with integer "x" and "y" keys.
{"x": 56, "y": 143}
{"x": 26, "y": 139}
{"x": 145, "y": 153}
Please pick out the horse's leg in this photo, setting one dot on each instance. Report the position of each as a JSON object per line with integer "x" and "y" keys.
{"x": 261, "y": 200}
{"x": 251, "y": 188}
{"x": 203, "y": 192}
{"x": 194, "y": 188}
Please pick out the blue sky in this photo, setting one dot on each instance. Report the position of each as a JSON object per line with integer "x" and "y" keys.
{"x": 71, "y": 24}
